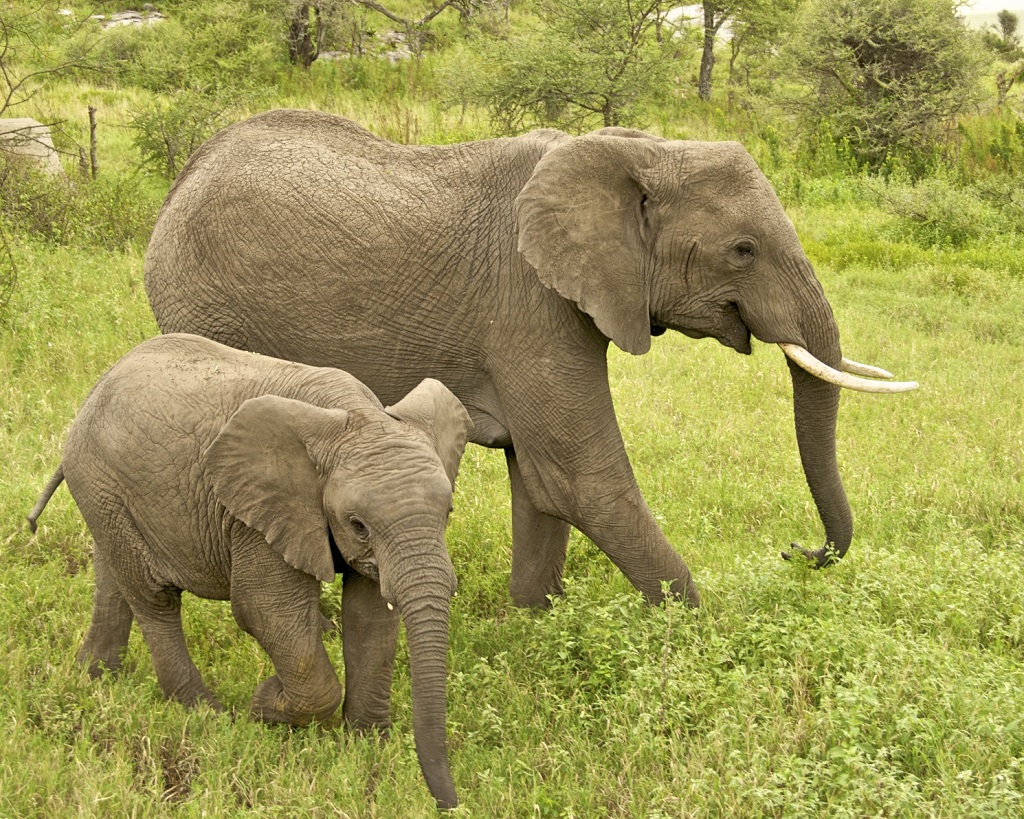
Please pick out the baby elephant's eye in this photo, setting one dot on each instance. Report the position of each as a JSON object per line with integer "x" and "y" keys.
{"x": 745, "y": 250}
{"x": 359, "y": 528}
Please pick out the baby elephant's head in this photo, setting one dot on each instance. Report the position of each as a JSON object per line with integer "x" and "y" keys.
{"x": 367, "y": 489}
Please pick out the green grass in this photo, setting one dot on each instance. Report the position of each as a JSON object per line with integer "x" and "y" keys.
{"x": 889, "y": 685}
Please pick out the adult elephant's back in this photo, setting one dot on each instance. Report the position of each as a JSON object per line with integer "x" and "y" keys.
{"x": 300, "y": 235}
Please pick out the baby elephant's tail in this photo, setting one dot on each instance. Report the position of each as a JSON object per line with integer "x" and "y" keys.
{"x": 44, "y": 498}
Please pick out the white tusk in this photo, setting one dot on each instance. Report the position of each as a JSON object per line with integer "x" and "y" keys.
{"x": 391, "y": 607}
{"x": 851, "y": 382}
{"x": 856, "y": 368}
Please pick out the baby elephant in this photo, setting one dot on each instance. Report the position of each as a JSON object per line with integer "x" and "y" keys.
{"x": 235, "y": 476}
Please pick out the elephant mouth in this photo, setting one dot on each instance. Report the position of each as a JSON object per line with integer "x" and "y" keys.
{"x": 729, "y": 330}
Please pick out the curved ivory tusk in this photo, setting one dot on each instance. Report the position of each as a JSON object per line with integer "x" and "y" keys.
{"x": 856, "y": 368}
{"x": 851, "y": 382}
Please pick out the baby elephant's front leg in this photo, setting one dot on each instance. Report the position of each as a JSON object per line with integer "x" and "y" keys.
{"x": 370, "y": 633}
{"x": 306, "y": 687}
{"x": 275, "y": 700}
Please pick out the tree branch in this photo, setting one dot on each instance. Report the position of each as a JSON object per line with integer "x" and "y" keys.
{"x": 461, "y": 5}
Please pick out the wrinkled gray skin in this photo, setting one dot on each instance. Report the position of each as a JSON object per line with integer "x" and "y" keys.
{"x": 236, "y": 476}
{"x": 503, "y": 268}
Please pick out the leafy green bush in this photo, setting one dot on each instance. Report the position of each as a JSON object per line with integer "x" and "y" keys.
{"x": 221, "y": 44}
{"x": 169, "y": 129}
{"x": 110, "y": 211}
{"x": 991, "y": 145}
{"x": 936, "y": 211}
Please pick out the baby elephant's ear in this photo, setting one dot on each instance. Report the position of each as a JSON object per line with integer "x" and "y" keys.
{"x": 262, "y": 473}
{"x": 433, "y": 409}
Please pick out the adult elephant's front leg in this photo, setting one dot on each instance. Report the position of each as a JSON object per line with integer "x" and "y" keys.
{"x": 539, "y": 543}
{"x": 573, "y": 466}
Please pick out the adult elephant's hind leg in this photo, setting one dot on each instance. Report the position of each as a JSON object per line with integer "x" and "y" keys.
{"x": 539, "y": 543}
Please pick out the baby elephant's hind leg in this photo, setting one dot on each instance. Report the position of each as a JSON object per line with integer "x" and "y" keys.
{"x": 157, "y": 609}
{"x": 107, "y": 638}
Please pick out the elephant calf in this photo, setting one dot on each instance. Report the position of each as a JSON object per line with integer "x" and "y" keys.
{"x": 235, "y": 476}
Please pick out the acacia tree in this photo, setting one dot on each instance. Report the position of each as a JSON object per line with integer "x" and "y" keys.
{"x": 310, "y": 22}
{"x": 886, "y": 76}
{"x": 590, "y": 63}
{"x": 757, "y": 31}
{"x": 716, "y": 13}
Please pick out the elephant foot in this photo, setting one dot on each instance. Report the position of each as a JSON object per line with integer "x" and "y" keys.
{"x": 97, "y": 666}
{"x": 271, "y": 702}
{"x": 686, "y": 590}
{"x": 204, "y": 698}
{"x": 525, "y": 596}
{"x": 379, "y": 731}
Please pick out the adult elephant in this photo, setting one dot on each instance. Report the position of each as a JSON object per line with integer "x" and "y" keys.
{"x": 503, "y": 268}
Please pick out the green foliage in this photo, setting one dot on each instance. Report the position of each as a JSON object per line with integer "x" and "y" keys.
{"x": 581, "y": 65}
{"x": 167, "y": 130}
{"x": 887, "y": 77}
{"x": 220, "y": 44}
{"x": 991, "y": 146}
{"x": 937, "y": 211}
{"x": 1004, "y": 38}
{"x": 889, "y": 685}
{"x": 110, "y": 211}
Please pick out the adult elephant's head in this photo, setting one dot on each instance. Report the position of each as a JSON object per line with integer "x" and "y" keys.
{"x": 645, "y": 234}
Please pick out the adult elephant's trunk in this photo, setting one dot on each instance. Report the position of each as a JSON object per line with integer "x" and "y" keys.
{"x": 423, "y": 596}
{"x": 819, "y": 371}
{"x": 815, "y": 410}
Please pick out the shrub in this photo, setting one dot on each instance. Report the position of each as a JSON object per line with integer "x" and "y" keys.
{"x": 169, "y": 129}
{"x": 109, "y": 212}
{"x": 222, "y": 44}
{"x": 938, "y": 212}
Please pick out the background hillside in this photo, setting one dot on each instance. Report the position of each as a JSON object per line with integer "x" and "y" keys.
{"x": 889, "y": 685}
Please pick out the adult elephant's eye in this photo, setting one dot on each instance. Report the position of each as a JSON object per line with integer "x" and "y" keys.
{"x": 744, "y": 253}
{"x": 359, "y": 528}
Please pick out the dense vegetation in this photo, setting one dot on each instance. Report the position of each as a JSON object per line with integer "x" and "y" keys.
{"x": 891, "y": 684}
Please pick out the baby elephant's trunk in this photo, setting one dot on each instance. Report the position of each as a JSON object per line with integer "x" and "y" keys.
{"x": 425, "y": 608}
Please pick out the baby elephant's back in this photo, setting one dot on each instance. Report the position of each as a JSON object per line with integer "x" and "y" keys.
{"x": 151, "y": 416}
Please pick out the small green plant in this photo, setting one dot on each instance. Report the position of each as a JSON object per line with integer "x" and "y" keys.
{"x": 110, "y": 211}
{"x": 169, "y": 129}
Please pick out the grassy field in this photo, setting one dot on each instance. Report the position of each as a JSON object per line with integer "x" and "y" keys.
{"x": 889, "y": 685}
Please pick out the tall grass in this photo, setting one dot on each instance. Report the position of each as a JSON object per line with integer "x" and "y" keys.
{"x": 891, "y": 684}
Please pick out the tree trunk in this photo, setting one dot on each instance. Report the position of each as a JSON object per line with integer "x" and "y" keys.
{"x": 301, "y": 50}
{"x": 707, "y": 58}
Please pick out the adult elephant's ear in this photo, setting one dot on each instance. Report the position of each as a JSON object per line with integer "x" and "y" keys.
{"x": 582, "y": 227}
{"x": 262, "y": 472}
{"x": 434, "y": 410}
